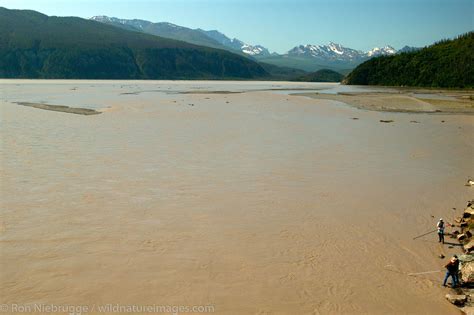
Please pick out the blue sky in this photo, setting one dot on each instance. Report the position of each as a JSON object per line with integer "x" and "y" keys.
{"x": 282, "y": 24}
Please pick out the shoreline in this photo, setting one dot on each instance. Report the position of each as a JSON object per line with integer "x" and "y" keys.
{"x": 412, "y": 101}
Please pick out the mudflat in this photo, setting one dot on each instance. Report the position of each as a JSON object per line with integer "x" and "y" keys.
{"x": 256, "y": 202}
{"x": 406, "y": 100}
{"x": 61, "y": 108}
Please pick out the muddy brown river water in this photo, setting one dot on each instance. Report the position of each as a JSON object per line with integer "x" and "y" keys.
{"x": 257, "y": 202}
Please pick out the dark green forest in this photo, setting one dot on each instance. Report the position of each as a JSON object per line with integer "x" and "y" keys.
{"x": 323, "y": 75}
{"x": 446, "y": 64}
{"x": 33, "y": 45}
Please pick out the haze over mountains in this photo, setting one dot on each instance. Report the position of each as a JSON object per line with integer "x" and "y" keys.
{"x": 304, "y": 57}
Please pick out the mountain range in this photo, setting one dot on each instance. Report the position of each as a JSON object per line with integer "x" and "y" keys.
{"x": 331, "y": 56}
{"x": 34, "y": 45}
{"x": 337, "y": 52}
{"x": 162, "y": 29}
{"x": 304, "y": 57}
{"x": 200, "y": 37}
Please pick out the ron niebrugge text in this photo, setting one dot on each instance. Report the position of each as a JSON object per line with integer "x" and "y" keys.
{"x": 105, "y": 308}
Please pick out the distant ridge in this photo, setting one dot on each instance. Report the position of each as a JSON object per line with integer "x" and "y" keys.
{"x": 236, "y": 44}
{"x": 214, "y": 38}
{"x": 323, "y": 75}
{"x": 303, "y": 57}
{"x": 33, "y": 45}
{"x": 447, "y": 64}
{"x": 163, "y": 29}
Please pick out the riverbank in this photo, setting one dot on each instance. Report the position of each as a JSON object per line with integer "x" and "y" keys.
{"x": 406, "y": 100}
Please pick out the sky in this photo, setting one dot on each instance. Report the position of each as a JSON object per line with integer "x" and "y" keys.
{"x": 280, "y": 25}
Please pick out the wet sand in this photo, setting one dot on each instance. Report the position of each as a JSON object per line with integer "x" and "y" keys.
{"x": 61, "y": 108}
{"x": 403, "y": 100}
{"x": 255, "y": 202}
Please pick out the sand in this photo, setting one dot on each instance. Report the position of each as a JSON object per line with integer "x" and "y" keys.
{"x": 61, "y": 108}
{"x": 253, "y": 203}
{"x": 403, "y": 100}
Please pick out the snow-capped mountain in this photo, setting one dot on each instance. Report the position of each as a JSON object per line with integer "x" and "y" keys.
{"x": 162, "y": 29}
{"x": 195, "y": 36}
{"x": 329, "y": 54}
{"x": 332, "y": 51}
{"x": 337, "y": 52}
{"x": 222, "y": 39}
{"x": 384, "y": 51}
{"x": 255, "y": 50}
{"x": 236, "y": 44}
{"x": 139, "y": 24}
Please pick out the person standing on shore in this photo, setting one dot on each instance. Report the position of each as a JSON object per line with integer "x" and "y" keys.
{"x": 452, "y": 271}
{"x": 440, "y": 226}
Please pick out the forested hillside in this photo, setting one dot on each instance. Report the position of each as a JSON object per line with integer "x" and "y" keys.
{"x": 448, "y": 63}
{"x": 33, "y": 45}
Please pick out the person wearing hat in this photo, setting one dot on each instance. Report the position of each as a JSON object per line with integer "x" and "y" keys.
{"x": 452, "y": 268}
{"x": 440, "y": 226}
